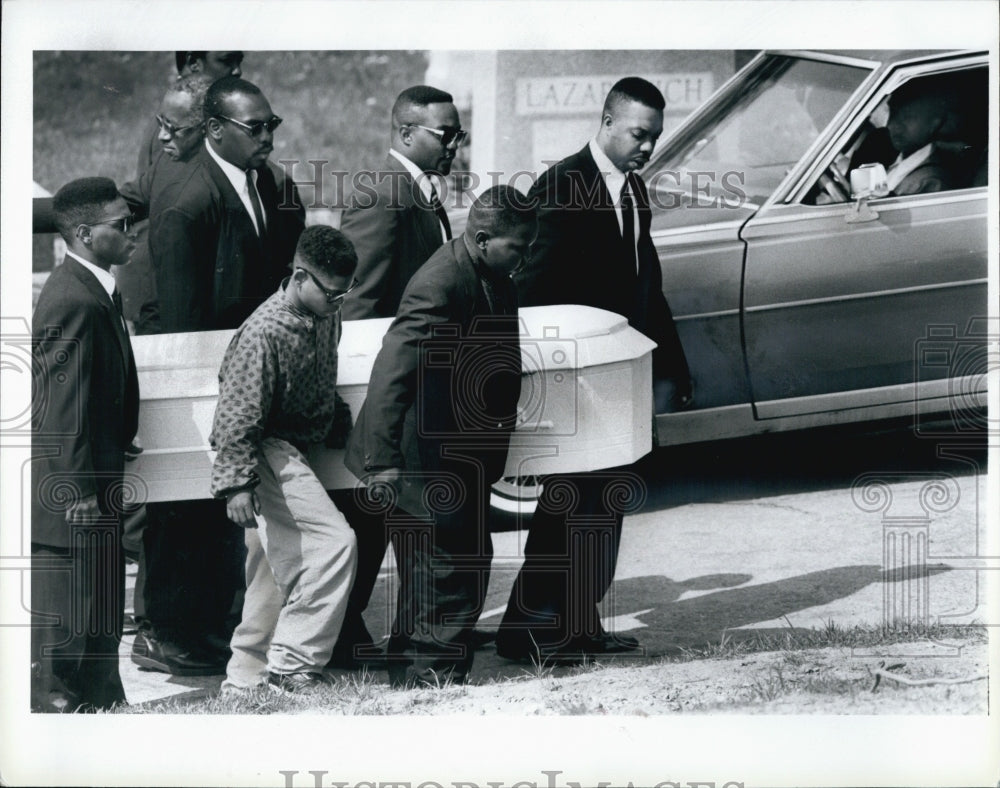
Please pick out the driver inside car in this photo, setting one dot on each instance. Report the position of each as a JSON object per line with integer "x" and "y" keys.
{"x": 913, "y": 143}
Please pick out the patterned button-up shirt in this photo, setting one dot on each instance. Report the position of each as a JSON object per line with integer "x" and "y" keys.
{"x": 278, "y": 379}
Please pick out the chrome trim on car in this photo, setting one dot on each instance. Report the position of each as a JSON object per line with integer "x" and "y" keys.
{"x": 906, "y": 393}
{"x": 858, "y": 296}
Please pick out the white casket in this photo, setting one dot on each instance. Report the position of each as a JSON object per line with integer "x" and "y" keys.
{"x": 586, "y": 398}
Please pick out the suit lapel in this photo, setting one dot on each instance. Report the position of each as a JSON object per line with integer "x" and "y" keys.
{"x": 100, "y": 295}
{"x": 230, "y": 199}
{"x": 411, "y": 197}
{"x": 597, "y": 190}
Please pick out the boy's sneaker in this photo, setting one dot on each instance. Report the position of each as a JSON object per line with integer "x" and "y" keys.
{"x": 290, "y": 683}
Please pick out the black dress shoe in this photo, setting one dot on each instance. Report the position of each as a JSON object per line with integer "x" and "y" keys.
{"x": 215, "y": 645}
{"x": 540, "y": 654}
{"x": 154, "y": 654}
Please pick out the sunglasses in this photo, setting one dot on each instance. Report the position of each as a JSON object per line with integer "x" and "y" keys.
{"x": 255, "y": 127}
{"x": 124, "y": 224}
{"x": 332, "y": 296}
{"x": 446, "y": 135}
{"x": 170, "y": 129}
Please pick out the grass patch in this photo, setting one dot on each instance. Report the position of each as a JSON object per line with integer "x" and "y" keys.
{"x": 831, "y": 635}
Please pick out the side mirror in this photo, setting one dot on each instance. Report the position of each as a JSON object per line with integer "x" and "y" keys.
{"x": 867, "y": 181}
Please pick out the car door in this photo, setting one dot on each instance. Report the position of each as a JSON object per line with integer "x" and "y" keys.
{"x": 834, "y": 312}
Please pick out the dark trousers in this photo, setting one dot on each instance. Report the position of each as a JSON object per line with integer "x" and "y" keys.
{"x": 570, "y": 557}
{"x": 190, "y": 578}
{"x": 77, "y": 602}
{"x": 372, "y": 536}
{"x": 443, "y": 565}
{"x": 444, "y": 571}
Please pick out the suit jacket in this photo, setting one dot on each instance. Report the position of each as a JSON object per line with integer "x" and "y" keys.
{"x": 394, "y": 230}
{"x": 212, "y": 269}
{"x": 446, "y": 381}
{"x": 85, "y": 407}
{"x": 579, "y": 257}
{"x": 934, "y": 174}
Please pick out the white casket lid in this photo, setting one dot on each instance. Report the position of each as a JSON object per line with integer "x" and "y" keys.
{"x": 565, "y": 336}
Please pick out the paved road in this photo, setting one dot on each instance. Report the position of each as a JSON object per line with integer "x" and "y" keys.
{"x": 763, "y": 534}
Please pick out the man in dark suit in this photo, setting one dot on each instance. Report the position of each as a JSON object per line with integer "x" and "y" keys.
{"x": 228, "y": 229}
{"x": 396, "y": 222}
{"x": 593, "y": 248}
{"x": 221, "y": 237}
{"x": 436, "y": 425}
{"x": 84, "y": 416}
{"x": 181, "y": 599}
{"x": 136, "y": 281}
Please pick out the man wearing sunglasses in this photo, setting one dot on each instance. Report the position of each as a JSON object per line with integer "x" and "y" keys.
{"x": 227, "y": 230}
{"x": 84, "y": 417}
{"x": 186, "y": 581}
{"x": 277, "y": 397}
{"x": 221, "y": 238}
{"x": 180, "y": 133}
{"x": 396, "y": 221}
{"x": 395, "y": 218}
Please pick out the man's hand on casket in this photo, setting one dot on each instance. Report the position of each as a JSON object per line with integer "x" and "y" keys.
{"x": 241, "y": 506}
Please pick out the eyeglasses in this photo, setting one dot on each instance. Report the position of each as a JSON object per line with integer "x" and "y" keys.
{"x": 447, "y": 135}
{"x": 124, "y": 224}
{"x": 170, "y": 129}
{"x": 332, "y": 296}
{"x": 255, "y": 127}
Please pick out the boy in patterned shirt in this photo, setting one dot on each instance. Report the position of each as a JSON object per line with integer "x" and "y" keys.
{"x": 277, "y": 396}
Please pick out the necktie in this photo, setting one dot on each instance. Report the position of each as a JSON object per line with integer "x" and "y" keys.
{"x": 440, "y": 211}
{"x": 255, "y": 202}
{"x": 628, "y": 223}
{"x": 116, "y": 297}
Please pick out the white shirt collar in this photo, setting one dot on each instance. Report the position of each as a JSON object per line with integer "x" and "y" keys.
{"x": 104, "y": 277}
{"x": 238, "y": 178}
{"x": 235, "y": 175}
{"x": 904, "y": 166}
{"x": 423, "y": 179}
{"x": 614, "y": 178}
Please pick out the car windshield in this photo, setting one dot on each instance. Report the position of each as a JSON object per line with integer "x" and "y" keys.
{"x": 756, "y": 132}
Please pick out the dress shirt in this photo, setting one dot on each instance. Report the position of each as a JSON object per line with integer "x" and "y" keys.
{"x": 278, "y": 379}
{"x": 904, "y": 166}
{"x": 614, "y": 180}
{"x": 423, "y": 180}
{"x": 238, "y": 178}
{"x": 104, "y": 277}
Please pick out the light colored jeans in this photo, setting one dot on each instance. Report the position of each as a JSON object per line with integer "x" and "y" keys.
{"x": 300, "y": 566}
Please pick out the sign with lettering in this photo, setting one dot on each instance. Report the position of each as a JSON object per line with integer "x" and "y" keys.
{"x": 572, "y": 95}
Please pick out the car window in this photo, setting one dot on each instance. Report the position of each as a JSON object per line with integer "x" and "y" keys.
{"x": 929, "y": 133}
{"x": 759, "y": 129}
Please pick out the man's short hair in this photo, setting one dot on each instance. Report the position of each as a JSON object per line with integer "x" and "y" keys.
{"x": 82, "y": 202}
{"x": 196, "y": 86}
{"x": 222, "y": 89}
{"x": 500, "y": 209}
{"x": 410, "y": 101}
{"x": 633, "y": 89}
{"x": 326, "y": 251}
